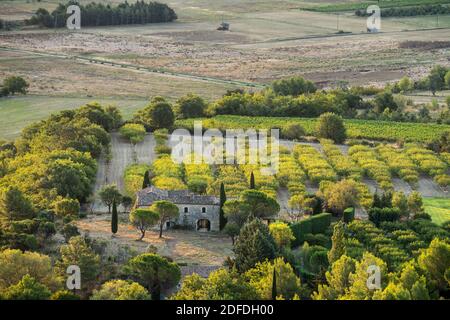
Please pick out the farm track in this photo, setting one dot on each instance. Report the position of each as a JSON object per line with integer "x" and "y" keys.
{"x": 135, "y": 67}
{"x": 122, "y": 157}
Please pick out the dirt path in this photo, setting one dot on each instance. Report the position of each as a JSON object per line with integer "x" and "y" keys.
{"x": 122, "y": 157}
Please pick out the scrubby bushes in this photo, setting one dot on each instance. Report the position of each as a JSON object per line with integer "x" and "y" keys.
{"x": 342, "y": 164}
{"x": 157, "y": 115}
{"x": 12, "y": 85}
{"x": 293, "y": 131}
{"x": 429, "y": 163}
{"x": 293, "y": 86}
{"x": 331, "y": 126}
{"x": 378, "y": 215}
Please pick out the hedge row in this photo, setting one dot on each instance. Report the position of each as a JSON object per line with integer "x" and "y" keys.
{"x": 378, "y": 215}
{"x": 315, "y": 224}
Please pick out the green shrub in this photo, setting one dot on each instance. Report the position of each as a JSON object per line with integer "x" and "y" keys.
{"x": 300, "y": 230}
{"x": 46, "y": 229}
{"x": 349, "y": 215}
{"x": 163, "y": 149}
{"x": 23, "y": 241}
{"x": 293, "y": 131}
{"x": 320, "y": 222}
{"x": 378, "y": 215}
{"x": 317, "y": 239}
{"x": 422, "y": 215}
{"x": 24, "y": 226}
{"x": 316, "y": 224}
{"x": 69, "y": 230}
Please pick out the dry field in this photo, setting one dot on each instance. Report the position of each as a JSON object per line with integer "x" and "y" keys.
{"x": 268, "y": 40}
{"x": 183, "y": 246}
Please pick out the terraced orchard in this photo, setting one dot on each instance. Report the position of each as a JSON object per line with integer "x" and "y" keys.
{"x": 373, "y": 168}
{"x": 303, "y": 170}
{"x": 429, "y": 163}
{"x": 342, "y": 164}
{"x": 315, "y": 165}
{"x": 399, "y": 164}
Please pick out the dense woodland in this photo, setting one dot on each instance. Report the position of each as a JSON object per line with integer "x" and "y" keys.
{"x": 98, "y": 14}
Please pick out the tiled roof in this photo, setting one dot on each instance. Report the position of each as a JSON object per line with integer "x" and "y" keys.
{"x": 147, "y": 196}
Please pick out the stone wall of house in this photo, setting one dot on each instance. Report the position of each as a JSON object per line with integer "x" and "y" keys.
{"x": 195, "y": 213}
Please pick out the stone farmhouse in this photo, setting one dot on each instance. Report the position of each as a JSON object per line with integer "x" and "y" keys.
{"x": 197, "y": 212}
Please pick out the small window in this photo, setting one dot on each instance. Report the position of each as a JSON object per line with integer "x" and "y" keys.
{"x": 186, "y": 210}
{"x": 203, "y": 210}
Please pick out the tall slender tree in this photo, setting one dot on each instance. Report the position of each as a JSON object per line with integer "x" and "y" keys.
{"x": 114, "y": 218}
{"x": 146, "y": 182}
{"x": 338, "y": 243}
{"x": 274, "y": 284}
{"x": 252, "y": 181}
{"x": 223, "y": 198}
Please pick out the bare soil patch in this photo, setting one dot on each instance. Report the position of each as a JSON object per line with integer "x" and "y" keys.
{"x": 182, "y": 246}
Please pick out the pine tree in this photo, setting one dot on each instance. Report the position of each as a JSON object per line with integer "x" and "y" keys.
{"x": 254, "y": 244}
{"x": 146, "y": 181}
{"x": 114, "y": 218}
{"x": 223, "y": 198}
{"x": 252, "y": 181}
{"x": 338, "y": 245}
{"x": 274, "y": 285}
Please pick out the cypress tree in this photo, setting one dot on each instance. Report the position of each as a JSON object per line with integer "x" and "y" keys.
{"x": 338, "y": 243}
{"x": 252, "y": 181}
{"x": 146, "y": 181}
{"x": 223, "y": 198}
{"x": 114, "y": 218}
{"x": 376, "y": 201}
{"x": 274, "y": 284}
{"x": 386, "y": 200}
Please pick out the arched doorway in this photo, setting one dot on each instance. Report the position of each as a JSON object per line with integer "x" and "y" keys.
{"x": 203, "y": 225}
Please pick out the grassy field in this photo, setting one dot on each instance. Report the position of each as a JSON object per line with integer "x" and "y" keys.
{"x": 438, "y": 208}
{"x": 22, "y": 111}
{"x": 374, "y": 130}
